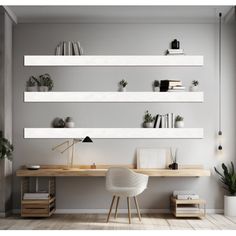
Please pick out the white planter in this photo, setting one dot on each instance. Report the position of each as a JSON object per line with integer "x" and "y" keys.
{"x": 70, "y": 124}
{"x": 32, "y": 88}
{"x": 148, "y": 125}
{"x": 156, "y": 89}
{"x": 122, "y": 89}
{"x": 230, "y": 205}
{"x": 194, "y": 88}
{"x": 43, "y": 88}
{"x": 179, "y": 124}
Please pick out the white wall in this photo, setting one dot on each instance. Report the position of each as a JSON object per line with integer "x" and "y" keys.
{"x": 89, "y": 193}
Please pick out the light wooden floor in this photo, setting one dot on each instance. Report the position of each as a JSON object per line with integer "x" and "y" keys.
{"x": 98, "y": 222}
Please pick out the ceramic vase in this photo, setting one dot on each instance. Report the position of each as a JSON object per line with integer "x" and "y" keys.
{"x": 179, "y": 124}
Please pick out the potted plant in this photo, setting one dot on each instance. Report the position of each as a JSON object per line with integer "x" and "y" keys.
{"x": 123, "y": 83}
{"x": 148, "y": 120}
{"x": 228, "y": 178}
{"x": 45, "y": 83}
{"x": 179, "y": 122}
{"x": 194, "y": 86}
{"x": 156, "y": 86}
{"x": 69, "y": 123}
{"x": 174, "y": 164}
{"x": 6, "y": 148}
{"x": 31, "y": 84}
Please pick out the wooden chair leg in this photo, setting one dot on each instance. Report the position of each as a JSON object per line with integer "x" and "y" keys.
{"x": 137, "y": 207}
{"x": 129, "y": 212}
{"x": 117, "y": 203}
{"x": 112, "y": 202}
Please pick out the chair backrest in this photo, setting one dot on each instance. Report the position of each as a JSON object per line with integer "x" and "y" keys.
{"x": 124, "y": 177}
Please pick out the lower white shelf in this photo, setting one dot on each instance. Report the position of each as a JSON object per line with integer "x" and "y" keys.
{"x": 114, "y": 133}
{"x": 113, "y": 97}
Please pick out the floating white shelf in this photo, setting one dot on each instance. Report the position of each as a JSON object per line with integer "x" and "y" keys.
{"x": 114, "y": 133}
{"x": 118, "y": 60}
{"x": 113, "y": 97}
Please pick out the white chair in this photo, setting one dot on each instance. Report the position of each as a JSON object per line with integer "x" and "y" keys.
{"x": 123, "y": 182}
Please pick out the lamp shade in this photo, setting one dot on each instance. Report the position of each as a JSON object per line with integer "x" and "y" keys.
{"x": 87, "y": 139}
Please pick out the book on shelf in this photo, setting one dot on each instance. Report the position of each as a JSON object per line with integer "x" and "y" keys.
{"x": 175, "y": 52}
{"x": 173, "y": 83}
{"x": 183, "y": 192}
{"x": 35, "y": 196}
{"x": 164, "y": 121}
{"x": 187, "y": 197}
{"x": 75, "y": 48}
{"x": 68, "y": 48}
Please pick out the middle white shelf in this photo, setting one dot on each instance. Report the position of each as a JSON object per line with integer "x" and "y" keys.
{"x": 113, "y": 96}
{"x": 115, "y": 133}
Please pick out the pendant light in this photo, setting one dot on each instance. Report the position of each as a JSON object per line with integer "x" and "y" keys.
{"x": 220, "y": 113}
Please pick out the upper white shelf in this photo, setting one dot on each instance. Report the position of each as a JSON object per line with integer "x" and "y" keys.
{"x": 113, "y": 97}
{"x": 114, "y": 133}
{"x": 118, "y": 60}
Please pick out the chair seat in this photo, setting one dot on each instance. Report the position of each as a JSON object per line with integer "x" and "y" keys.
{"x": 125, "y": 191}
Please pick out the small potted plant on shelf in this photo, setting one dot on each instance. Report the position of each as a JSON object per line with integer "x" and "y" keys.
{"x": 194, "y": 86}
{"x": 174, "y": 164}
{"x": 123, "y": 83}
{"x": 148, "y": 120}
{"x": 31, "y": 84}
{"x": 228, "y": 178}
{"x": 69, "y": 123}
{"x": 6, "y": 148}
{"x": 156, "y": 86}
{"x": 179, "y": 122}
{"x": 45, "y": 83}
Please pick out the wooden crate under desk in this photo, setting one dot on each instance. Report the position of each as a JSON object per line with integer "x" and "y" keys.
{"x": 38, "y": 208}
{"x": 199, "y": 202}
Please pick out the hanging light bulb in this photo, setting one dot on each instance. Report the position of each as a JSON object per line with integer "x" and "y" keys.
{"x": 220, "y": 148}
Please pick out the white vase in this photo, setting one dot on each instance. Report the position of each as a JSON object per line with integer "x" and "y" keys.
{"x": 156, "y": 89}
{"x": 179, "y": 124}
{"x": 230, "y": 205}
{"x": 70, "y": 124}
{"x": 148, "y": 125}
{"x": 43, "y": 88}
{"x": 32, "y": 88}
{"x": 193, "y": 88}
{"x": 122, "y": 89}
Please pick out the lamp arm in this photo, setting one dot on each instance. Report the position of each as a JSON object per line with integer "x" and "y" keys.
{"x": 74, "y": 142}
{"x": 54, "y": 148}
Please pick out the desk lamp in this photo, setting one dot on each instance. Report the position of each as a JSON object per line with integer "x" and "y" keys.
{"x": 87, "y": 139}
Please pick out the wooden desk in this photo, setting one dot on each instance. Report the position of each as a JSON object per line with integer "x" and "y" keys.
{"x": 60, "y": 171}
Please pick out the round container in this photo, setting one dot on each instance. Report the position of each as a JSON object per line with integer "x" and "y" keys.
{"x": 179, "y": 124}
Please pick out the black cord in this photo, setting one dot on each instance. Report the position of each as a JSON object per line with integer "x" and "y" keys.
{"x": 220, "y": 113}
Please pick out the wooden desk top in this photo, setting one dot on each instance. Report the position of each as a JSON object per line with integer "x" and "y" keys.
{"x": 57, "y": 171}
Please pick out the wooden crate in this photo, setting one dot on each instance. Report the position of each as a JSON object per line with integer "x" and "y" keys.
{"x": 200, "y": 205}
{"x": 40, "y": 207}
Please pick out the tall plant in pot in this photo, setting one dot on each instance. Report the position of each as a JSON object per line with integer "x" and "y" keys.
{"x": 45, "y": 83}
{"x": 148, "y": 120}
{"x": 6, "y": 148}
{"x": 228, "y": 178}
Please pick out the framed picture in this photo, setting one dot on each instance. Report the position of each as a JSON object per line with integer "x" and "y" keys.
{"x": 153, "y": 158}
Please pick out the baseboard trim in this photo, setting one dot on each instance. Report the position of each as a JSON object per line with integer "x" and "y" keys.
{"x": 5, "y": 214}
{"x": 105, "y": 211}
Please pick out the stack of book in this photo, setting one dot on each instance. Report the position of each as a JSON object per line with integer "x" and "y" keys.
{"x": 185, "y": 195}
{"x": 164, "y": 121}
{"x": 36, "y": 196}
{"x": 175, "y": 86}
{"x": 68, "y": 48}
{"x": 187, "y": 209}
{"x": 175, "y": 52}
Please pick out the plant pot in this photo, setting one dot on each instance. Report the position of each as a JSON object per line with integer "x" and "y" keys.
{"x": 179, "y": 124}
{"x": 32, "y": 88}
{"x": 43, "y": 88}
{"x": 194, "y": 88}
{"x": 156, "y": 89}
{"x": 148, "y": 125}
{"x": 122, "y": 89}
{"x": 230, "y": 205}
{"x": 70, "y": 124}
